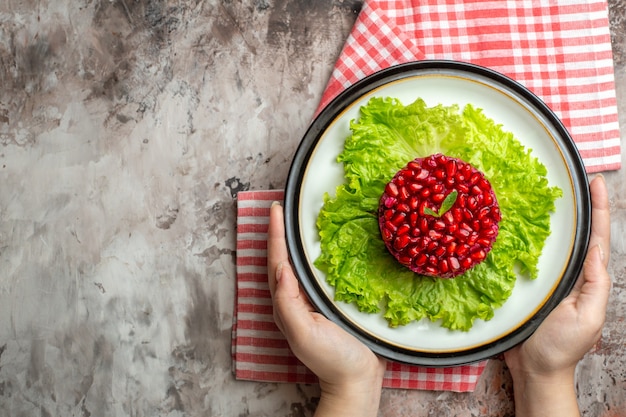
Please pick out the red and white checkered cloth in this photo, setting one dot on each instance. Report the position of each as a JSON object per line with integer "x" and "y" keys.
{"x": 560, "y": 50}
{"x": 261, "y": 353}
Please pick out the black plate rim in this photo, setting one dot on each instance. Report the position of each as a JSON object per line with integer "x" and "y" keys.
{"x": 304, "y": 272}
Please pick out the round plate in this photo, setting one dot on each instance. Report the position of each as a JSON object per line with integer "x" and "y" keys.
{"x": 315, "y": 171}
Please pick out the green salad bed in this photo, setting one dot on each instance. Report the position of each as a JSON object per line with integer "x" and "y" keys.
{"x": 384, "y": 139}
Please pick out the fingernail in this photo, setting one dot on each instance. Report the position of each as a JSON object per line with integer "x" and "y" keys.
{"x": 275, "y": 203}
{"x": 601, "y": 252}
{"x": 279, "y": 271}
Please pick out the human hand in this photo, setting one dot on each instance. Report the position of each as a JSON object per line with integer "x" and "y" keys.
{"x": 543, "y": 366}
{"x": 350, "y": 374}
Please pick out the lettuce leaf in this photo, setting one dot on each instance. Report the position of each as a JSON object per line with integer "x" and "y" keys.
{"x": 384, "y": 139}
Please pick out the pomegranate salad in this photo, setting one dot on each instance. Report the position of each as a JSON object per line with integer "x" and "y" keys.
{"x": 438, "y": 216}
{"x": 451, "y": 253}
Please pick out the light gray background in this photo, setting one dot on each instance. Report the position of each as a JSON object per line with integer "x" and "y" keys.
{"x": 126, "y": 129}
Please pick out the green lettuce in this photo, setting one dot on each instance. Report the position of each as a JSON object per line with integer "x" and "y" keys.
{"x": 384, "y": 139}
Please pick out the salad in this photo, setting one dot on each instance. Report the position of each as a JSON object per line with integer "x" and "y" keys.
{"x": 389, "y": 134}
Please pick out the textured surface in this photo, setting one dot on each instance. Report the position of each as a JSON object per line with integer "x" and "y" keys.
{"x": 126, "y": 129}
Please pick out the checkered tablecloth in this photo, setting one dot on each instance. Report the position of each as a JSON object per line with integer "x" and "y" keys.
{"x": 560, "y": 50}
{"x": 261, "y": 353}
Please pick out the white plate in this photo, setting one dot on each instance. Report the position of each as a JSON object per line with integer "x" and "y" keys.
{"x": 315, "y": 171}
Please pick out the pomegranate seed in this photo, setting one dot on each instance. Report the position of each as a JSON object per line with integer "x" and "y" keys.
{"x": 451, "y": 168}
{"x": 389, "y": 202}
{"x": 483, "y": 212}
{"x": 466, "y": 263}
{"x": 421, "y": 259}
{"x": 438, "y": 198}
{"x": 462, "y": 200}
{"x": 414, "y": 187}
{"x": 435, "y": 235}
{"x": 472, "y": 203}
{"x": 462, "y": 250}
{"x": 403, "y": 207}
{"x": 439, "y": 225}
{"x": 457, "y": 214}
{"x": 479, "y": 255}
{"x": 462, "y": 234}
{"x": 414, "y": 165}
{"x": 403, "y": 230}
{"x": 398, "y": 218}
{"x": 391, "y": 227}
{"x": 443, "y": 266}
{"x": 431, "y": 239}
{"x": 451, "y": 248}
{"x": 454, "y": 263}
{"x": 391, "y": 189}
{"x": 446, "y": 239}
{"x": 401, "y": 242}
{"x": 422, "y": 174}
{"x": 403, "y": 193}
{"x": 431, "y": 270}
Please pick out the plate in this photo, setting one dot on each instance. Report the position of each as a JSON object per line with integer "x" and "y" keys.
{"x": 314, "y": 171}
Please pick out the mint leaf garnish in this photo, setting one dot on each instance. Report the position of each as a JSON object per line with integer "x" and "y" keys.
{"x": 430, "y": 212}
{"x": 448, "y": 202}
{"x": 446, "y": 205}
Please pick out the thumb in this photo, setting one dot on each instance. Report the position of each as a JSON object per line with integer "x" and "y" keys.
{"x": 291, "y": 308}
{"x": 596, "y": 285}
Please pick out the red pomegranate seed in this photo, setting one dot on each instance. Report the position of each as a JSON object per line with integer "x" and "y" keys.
{"x": 391, "y": 189}
{"x": 429, "y": 238}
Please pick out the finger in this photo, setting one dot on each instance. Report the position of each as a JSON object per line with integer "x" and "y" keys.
{"x": 276, "y": 245}
{"x": 291, "y": 309}
{"x": 600, "y": 224}
{"x": 596, "y": 286}
{"x": 600, "y": 217}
